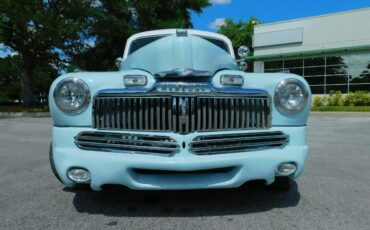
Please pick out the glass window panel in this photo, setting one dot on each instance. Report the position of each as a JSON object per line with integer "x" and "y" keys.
{"x": 317, "y": 89}
{"x": 298, "y": 71}
{"x": 337, "y": 79}
{"x": 357, "y": 64}
{"x": 273, "y": 70}
{"x": 334, "y": 60}
{"x": 363, "y": 78}
{"x": 359, "y": 87}
{"x": 315, "y": 80}
{"x": 250, "y": 67}
{"x": 314, "y": 71}
{"x": 341, "y": 88}
{"x": 293, "y": 63}
{"x": 273, "y": 64}
{"x": 336, "y": 70}
{"x": 317, "y": 61}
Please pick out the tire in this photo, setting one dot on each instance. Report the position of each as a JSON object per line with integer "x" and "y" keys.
{"x": 281, "y": 184}
{"x": 52, "y": 164}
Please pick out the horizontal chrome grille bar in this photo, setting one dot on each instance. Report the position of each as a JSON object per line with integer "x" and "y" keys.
{"x": 123, "y": 142}
{"x": 229, "y": 143}
{"x": 181, "y": 114}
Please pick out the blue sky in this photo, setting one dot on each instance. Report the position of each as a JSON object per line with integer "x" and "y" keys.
{"x": 269, "y": 10}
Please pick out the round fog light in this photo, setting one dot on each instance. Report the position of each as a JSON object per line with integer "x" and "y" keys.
{"x": 79, "y": 175}
{"x": 285, "y": 169}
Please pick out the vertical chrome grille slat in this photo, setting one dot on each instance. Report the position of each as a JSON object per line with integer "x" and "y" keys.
{"x": 204, "y": 114}
{"x": 210, "y": 111}
{"x": 169, "y": 113}
{"x": 174, "y": 114}
{"x": 199, "y": 114}
{"x": 222, "y": 104}
{"x": 232, "y": 114}
{"x": 181, "y": 114}
{"x": 215, "y": 113}
{"x": 192, "y": 114}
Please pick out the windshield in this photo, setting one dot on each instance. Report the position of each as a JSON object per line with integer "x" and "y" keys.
{"x": 141, "y": 42}
{"x": 172, "y": 52}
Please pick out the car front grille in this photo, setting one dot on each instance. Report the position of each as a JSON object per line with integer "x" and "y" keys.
{"x": 181, "y": 114}
{"x": 124, "y": 142}
{"x": 229, "y": 143}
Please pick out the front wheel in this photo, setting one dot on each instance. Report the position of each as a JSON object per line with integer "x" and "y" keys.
{"x": 281, "y": 184}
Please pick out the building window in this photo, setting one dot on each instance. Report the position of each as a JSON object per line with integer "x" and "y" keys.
{"x": 345, "y": 73}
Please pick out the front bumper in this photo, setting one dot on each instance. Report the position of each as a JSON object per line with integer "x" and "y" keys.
{"x": 117, "y": 168}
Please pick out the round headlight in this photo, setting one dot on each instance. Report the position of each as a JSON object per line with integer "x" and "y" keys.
{"x": 72, "y": 95}
{"x": 290, "y": 95}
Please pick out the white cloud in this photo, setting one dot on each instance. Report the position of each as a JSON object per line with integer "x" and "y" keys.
{"x": 217, "y": 23}
{"x": 219, "y": 1}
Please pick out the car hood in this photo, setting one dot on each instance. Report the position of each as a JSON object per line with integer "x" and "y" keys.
{"x": 180, "y": 52}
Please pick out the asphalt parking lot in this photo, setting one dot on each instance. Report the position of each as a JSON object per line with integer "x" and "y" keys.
{"x": 332, "y": 193}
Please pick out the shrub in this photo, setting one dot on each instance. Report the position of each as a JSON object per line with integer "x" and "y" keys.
{"x": 335, "y": 98}
{"x": 358, "y": 98}
{"x": 318, "y": 101}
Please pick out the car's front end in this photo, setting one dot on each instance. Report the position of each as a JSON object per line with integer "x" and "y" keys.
{"x": 180, "y": 129}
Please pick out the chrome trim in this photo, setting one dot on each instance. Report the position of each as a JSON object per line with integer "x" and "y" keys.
{"x": 240, "y": 142}
{"x": 184, "y": 113}
{"x": 76, "y": 80}
{"x": 127, "y": 143}
{"x": 282, "y": 84}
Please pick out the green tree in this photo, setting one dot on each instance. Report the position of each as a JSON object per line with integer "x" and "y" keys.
{"x": 45, "y": 34}
{"x": 51, "y": 35}
{"x": 240, "y": 33}
{"x": 115, "y": 21}
{"x": 10, "y": 78}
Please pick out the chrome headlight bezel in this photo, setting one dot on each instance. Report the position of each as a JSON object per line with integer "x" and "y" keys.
{"x": 282, "y": 84}
{"x": 57, "y": 94}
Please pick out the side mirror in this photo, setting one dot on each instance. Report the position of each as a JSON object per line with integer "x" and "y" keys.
{"x": 243, "y": 51}
{"x": 243, "y": 66}
{"x": 118, "y": 62}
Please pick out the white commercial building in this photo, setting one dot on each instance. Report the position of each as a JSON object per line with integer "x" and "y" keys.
{"x": 332, "y": 52}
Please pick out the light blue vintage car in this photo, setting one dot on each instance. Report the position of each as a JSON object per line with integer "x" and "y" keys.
{"x": 179, "y": 114}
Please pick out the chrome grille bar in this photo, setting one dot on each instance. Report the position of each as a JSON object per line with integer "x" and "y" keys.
{"x": 181, "y": 114}
{"x": 229, "y": 143}
{"x": 124, "y": 142}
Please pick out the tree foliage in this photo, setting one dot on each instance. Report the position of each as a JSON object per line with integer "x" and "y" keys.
{"x": 44, "y": 34}
{"x": 240, "y": 33}
{"x": 115, "y": 21}
{"x": 50, "y": 35}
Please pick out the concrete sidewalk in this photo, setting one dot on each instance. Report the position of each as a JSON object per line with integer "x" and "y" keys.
{"x": 24, "y": 114}
{"x": 339, "y": 114}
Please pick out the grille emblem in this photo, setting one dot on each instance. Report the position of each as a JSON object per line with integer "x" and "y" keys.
{"x": 183, "y": 113}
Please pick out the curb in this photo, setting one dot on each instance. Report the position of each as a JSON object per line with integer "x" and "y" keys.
{"x": 21, "y": 114}
{"x": 339, "y": 114}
